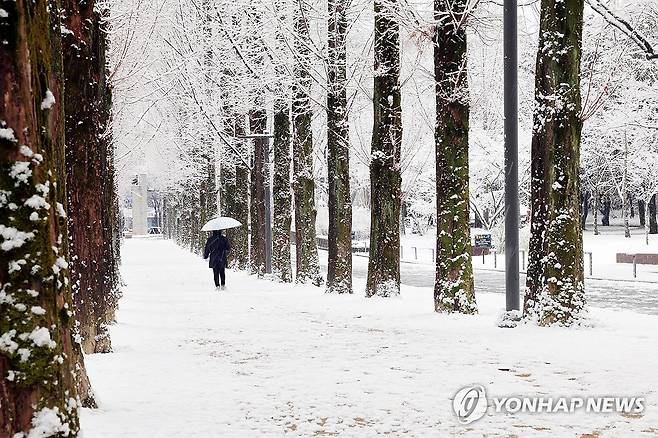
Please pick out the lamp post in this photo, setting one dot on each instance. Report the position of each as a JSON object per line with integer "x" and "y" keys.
{"x": 512, "y": 212}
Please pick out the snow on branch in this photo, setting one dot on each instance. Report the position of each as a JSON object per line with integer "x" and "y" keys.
{"x": 624, "y": 26}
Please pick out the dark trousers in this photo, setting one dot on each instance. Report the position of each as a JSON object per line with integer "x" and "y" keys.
{"x": 218, "y": 273}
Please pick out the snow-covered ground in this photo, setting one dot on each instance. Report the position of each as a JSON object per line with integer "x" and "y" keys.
{"x": 269, "y": 360}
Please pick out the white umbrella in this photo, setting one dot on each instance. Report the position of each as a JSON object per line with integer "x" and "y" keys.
{"x": 220, "y": 223}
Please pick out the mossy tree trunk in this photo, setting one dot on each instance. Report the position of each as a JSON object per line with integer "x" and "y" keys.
{"x": 38, "y": 347}
{"x": 306, "y": 247}
{"x": 281, "y": 266}
{"x": 555, "y": 279}
{"x": 90, "y": 172}
{"x": 453, "y": 288}
{"x": 385, "y": 174}
{"x": 259, "y": 175}
{"x": 339, "y": 271}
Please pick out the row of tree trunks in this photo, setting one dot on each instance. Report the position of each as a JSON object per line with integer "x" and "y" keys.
{"x": 454, "y": 289}
{"x": 607, "y": 209}
{"x": 38, "y": 347}
{"x": 307, "y": 261}
{"x": 555, "y": 280}
{"x": 339, "y": 271}
{"x": 385, "y": 177}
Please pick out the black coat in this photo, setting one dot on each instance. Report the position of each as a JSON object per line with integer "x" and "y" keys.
{"x": 217, "y": 248}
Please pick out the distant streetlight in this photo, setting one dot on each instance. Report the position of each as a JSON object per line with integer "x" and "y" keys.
{"x": 512, "y": 212}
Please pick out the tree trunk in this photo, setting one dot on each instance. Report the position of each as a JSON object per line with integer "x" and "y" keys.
{"x": 596, "y": 213}
{"x": 478, "y": 221}
{"x": 555, "y": 278}
{"x": 624, "y": 191}
{"x": 385, "y": 175}
{"x": 607, "y": 207}
{"x": 258, "y": 124}
{"x": 453, "y": 288}
{"x": 227, "y": 187}
{"x": 38, "y": 347}
{"x": 585, "y": 197}
{"x": 90, "y": 172}
{"x": 210, "y": 205}
{"x": 641, "y": 210}
{"x": 339, "y": 268}
{"x": 653, "y": 224}
{"x": 209, "y": 201}
{"x": 281, "y": 264}
{"x": 240, "y": 236}
{"x": 227, "y": 183}
{"x": 308, "y": 266}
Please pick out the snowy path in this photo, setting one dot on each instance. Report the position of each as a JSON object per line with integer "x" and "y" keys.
{"x": 270, "y": 360}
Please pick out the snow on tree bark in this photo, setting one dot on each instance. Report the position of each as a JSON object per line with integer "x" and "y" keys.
{"x": 281, "y": 265}
{"x": 306, "y": 248}
{"x": 385, "y": 176}
{"x": 555, "y": 281}
{"x": 339, "y": 270}
{"x": 90, "y": 173}
{"x": 454, "y": 287}
{"x": 37, "y": 341}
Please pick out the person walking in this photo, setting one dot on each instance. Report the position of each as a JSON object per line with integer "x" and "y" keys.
{"x": 216, "y": 251}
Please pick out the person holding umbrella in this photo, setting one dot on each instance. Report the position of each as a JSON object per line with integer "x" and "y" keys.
{"x": 218, "y": 247}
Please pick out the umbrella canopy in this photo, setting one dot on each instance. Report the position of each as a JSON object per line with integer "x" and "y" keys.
{"x": 220, "y": 223}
